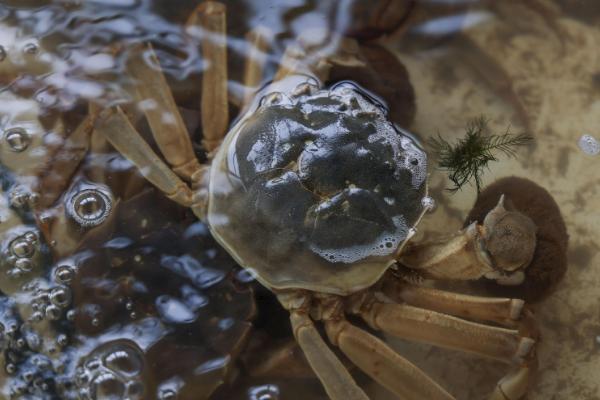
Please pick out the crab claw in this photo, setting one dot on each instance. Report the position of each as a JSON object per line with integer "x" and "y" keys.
{"x": 510, "y": 240}
{"x": 549, "y": 261}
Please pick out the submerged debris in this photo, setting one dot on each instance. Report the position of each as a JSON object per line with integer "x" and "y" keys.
{"x": 466, "y": 160}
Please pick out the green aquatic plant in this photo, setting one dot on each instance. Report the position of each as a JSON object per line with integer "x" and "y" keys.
{"x": 466, "y": 160}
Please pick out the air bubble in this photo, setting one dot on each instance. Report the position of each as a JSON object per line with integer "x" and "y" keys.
{"x": 71, "y": 315}
{"x": 62, "y": 340}
{"x": 112, "y": 371}
{"x": 135, "y": 391}
{"x": 24, "y": 264}
{"x": 244, "y": 276}
{"x": 22, "y": 247}
{"x": 61, "y": 297}
{"x": 53, "y": 313}
{"x": 64, "y": 274}
{"x": 428, "y": 203}
{"x": 11, "y": 368}
{"x": 47, "y": 98}
{"x": 21, "y": 198}
{"x": 172, "y": 310}
{"x": 89, "y": 207}
{"x": 124, "y": 360}
{"x": 589, "y": 145}
{"x": 28, "y": 376}
{"x": 107, "y": 386}
{"x": 167, "y": 394}
{"x": 30, "y": 48}
{"x": 264, "y": 392}
{"x": 18, "y": 139}
{"x": 36, "y": 316}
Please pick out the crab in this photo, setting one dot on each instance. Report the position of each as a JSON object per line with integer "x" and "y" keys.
{"x": 316, "y": 193}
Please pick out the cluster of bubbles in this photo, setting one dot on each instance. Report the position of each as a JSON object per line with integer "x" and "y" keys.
{"x": 187, "y": 300}
{"x": 92, "y": 325}
{"x": 381, "y": 246}
{"x": 112, "y": 371}
{"x": 21, "y": 252}
{"x": 21, "y": 198}
{"x": 49, "y": 303}
{"x": 22, "y": 47}
{"x": 31, "y": 370}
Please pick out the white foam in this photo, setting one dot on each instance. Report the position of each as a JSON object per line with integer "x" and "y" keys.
{"x": 384, "y": 245}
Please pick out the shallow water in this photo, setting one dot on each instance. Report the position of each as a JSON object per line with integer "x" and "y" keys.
{"x": 112, "y": 291}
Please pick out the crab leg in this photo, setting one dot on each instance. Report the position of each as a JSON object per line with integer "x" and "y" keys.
{"x": 115, "y": 126}
{"x": 383, "y": 364}
{"x": 291, "y": 63}
{"x": 431, "y": 327}
{"x": 513, "y": 386}
{"x": 459, "y": 257}
{"x": 442, "y": 330}
{"x": 156, "y": 101}
{"x": 255, "y": 61}
{"x": 65, "y": 162}
{"x": 503, "y": 311}
{"x": 336, "y": 380}
{"x": 210, "y": 16}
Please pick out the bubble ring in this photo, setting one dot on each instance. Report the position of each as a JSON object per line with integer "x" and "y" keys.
{"x": 81, "y": 199}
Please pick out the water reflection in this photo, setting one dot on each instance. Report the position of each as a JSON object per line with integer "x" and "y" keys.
{"x": 134, "y": 299}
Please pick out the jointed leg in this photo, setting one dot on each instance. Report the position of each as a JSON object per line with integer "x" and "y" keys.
{"x": 504, "y": 311}
{"x": 255, "y": 61}
{"x": 156, "y": 101}
{"x": 442, "y": 330}
{"x": 115, "y": 126}
{"x": 210, "y": 16}
{"x": 65, "y": 163}
{"x": 431, "y": 327}
{"x": 513, "y": 386}
{"x": 291, "y": 62}
{"x": 336, "y": 380}
{"x": 383, "y": 364}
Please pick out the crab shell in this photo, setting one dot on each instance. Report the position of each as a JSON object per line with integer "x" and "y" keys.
{"x": 316, "y": 189}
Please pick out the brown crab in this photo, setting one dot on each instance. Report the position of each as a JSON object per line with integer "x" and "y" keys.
{"x": 315, "y": 192}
